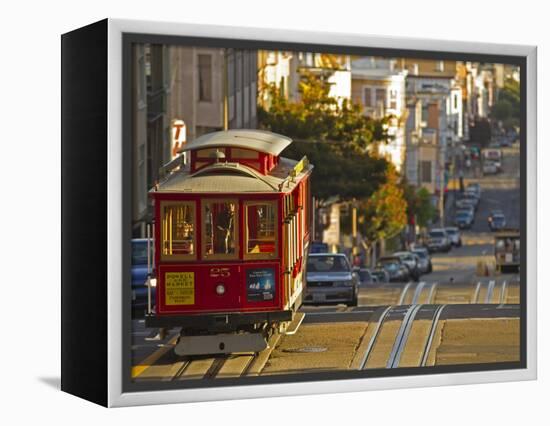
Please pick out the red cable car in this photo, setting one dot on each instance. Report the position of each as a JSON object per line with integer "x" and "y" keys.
{"x": 232, "y": 229}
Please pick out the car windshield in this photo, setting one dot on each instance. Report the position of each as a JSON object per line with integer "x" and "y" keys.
{"x": 421, "y": 254}
{"x": 139, "y": 252}
{"x": 388, "y": 263}
{"x": 452, "y": 231}
{"x": 462, "y": 215}
{"x": 498, "y": 218}
{"x": 437, "y": 234}
{"x": 327, "y": 264}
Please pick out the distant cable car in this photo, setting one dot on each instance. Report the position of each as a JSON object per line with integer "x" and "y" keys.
{"x": 231, "y": 234}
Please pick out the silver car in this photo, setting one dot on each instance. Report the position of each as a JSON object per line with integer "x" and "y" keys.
{"x": 425, "y": 262}
{"x": 330, "y": 279}
{"x": 454, "y": 235}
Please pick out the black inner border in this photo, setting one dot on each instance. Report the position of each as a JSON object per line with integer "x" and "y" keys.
{"x": 128, "y": 39}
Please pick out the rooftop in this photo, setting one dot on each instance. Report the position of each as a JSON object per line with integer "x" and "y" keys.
{"x": 234, "y": 177}
{"x": 257, "y": 140}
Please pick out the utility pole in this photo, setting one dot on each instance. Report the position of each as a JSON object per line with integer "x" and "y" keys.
{"x": 441, "y": 196}
{"x": 353, "y": 229}
{"x": 225, "y": 92}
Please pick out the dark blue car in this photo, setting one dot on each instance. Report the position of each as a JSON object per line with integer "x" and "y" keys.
{"x": 139, "y": 274}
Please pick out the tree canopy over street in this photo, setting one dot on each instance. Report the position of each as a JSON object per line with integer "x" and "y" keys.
{"x": 334, "y": 135}
{"x": 507, "y": 107}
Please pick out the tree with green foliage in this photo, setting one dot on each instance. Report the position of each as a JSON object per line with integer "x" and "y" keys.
{"x": 419, "y": 204}
{"x": 333, "y": 134}
{"x": 507, "y": 108}
{"x": 384, "y": 214}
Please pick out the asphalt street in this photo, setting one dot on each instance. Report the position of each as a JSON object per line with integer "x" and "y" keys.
{"x": 451, "y": 316}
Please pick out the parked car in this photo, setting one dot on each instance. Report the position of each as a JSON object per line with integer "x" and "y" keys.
{"x": 474, "y": 187}
{"x": 139, "y": 275}
{"x": 494, "y": 156}
{"x": 396, "y": 269}
{"x": 438, "y": 240}
{"x": 463, "y": 219}
{"x": 381, "y": 275}
{"x": 411, "y": 261}
{"x": 490, "y": 168}
{"x": 318, "y": 247}
{"x": 505, "y": 141}
{"x": 424, "y": 259}
{"x": 492, "y": 213}
{"x": 498, "y": 222}
{"x": 365, "y": 276}
{"x": 466, "y": 200}
{"x": 330, "y": 279}
{"x": 454, "y": 234}
{"x": 471, "y": 192}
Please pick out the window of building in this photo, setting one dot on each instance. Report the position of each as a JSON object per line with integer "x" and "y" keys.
{"x": 426, "y": 171}
{"x": 261, "y": 235}
{"x": 367, "y": 96}
{"x": 178, "y": 230}
{"x": 393, "y": 99}
{"x": 380, "y": 97}
{"x": 205, "y": 78}
{"x": 220, "y": 223}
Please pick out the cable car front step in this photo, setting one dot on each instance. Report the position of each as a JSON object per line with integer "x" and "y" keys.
{"x": 220, "y": 344}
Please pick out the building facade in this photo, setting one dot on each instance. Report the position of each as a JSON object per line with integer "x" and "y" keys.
{"x": 379, "y": 86}
{"x": 181, "y": 93}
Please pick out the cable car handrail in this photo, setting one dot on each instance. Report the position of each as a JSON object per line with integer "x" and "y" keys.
{"x": 295, "y": 171}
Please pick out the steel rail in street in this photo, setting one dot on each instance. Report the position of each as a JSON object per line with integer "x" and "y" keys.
{"x": 503, "y": 293}
{"x": 476, "y": 293}
{"x": 431, "y": 334}
{"x": 402, "y": 336}
{"x": 374, "y": 336}
{"x": 432, "y": 292}
{"x": 418, "y": 292}
{"x": 404, "y": 293}
{"x": 490, "y": 290}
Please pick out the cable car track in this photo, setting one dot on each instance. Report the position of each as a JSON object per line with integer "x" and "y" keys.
{"x": 407, "y": 315}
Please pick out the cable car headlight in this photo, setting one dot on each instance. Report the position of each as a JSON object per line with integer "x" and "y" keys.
{"x": 220, "y": 289}
{"x": 153, "y": 282}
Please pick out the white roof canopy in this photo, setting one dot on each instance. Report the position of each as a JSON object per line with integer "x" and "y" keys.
{"x": 257, "y": 140}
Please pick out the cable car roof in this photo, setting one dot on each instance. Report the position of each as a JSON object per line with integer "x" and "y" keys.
{"x": 257, "y": 140}
{"x": 234, "y": 178}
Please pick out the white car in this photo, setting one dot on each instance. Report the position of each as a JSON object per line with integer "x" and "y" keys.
{"x": 489, "y": 168}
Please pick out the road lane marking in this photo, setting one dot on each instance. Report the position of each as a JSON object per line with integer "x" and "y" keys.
{"x": 490, "y": 290}
{"x": 151, "y": 359}
{"x": 431, "y": 334}
{"x": 404, "y": 293}
{"x": 417, "y": 292}
{"x": 402, "y": 336}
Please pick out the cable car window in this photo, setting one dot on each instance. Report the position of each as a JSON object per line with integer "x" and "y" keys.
{"x": 243, "y": 154}
{"x": 178, "y": 230}
{"x": 220, "y": 226}
{"x": 209, "y": 152}
{"x": 261, "y": 235}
